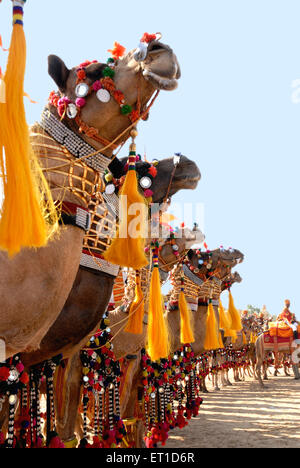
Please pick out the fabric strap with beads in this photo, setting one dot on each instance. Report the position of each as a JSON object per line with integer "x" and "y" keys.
{"x": 78, "y": 147}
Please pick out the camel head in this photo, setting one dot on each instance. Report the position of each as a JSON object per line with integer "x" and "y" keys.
{"x": 174, "y": 248}
{"x": 110, "y": 107}
{"x": 164, "y": 177}
{"x": 217, "y": 262}
{"x": 230, "y": 279}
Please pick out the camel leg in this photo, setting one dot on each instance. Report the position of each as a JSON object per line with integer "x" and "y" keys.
{"x": 227, "y": 378}
{"x": 296, "y": 371}
{"x": 215, "y": 382}
{"x": 67, "y": 418}
{"x": 203, "y": 386}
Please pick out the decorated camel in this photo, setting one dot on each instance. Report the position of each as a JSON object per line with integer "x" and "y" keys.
{"x": 91, "y": 114}
{"x": 272, "y": 341}
{"x": 93, "y": 284}
{"x": 124, "y": 345}
{"x": 202, "y": 279}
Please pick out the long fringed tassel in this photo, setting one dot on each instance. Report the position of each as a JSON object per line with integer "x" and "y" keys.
{"x": 211, "y": 337}
{"x": 127, "y": 248}
{"x": 235, "y": 316}
{"x": 22, "y": 222}
{"x": 186, "y": 330}
{"x": 136, "y": 311}
{"x": 225, "y": 319}
{"x": 158, "y": 340}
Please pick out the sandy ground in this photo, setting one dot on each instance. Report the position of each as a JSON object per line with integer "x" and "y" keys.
{"x": 243, "y": 416}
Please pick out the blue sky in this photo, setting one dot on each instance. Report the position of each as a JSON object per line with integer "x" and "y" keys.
{"x": 233, "y": 113}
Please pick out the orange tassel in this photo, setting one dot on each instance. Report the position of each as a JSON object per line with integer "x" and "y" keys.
{"x": 158, "y": 345}
{"x": 136, "y": 311}
{"x": 235, "y": 316}
{"x": 186, "y": 331}
{"x": 211, "y": 336}
{"x": 128, "y": 250}
{"x": 23, "y": 213}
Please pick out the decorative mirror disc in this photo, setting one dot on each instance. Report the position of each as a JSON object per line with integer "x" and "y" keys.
{"x": 103, "y": 95}
{"x": 82, "y": 90}
{"x": 110, "y": 189}
{"x": 145, "y": 182}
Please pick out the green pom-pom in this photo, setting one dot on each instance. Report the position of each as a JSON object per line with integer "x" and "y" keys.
{"x": 110, "y": 60}
{"x": 126, "y": 109}
{"x": 108, "y": 72}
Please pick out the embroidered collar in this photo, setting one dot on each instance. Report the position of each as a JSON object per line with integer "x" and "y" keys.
{"x": 74, "y": 144}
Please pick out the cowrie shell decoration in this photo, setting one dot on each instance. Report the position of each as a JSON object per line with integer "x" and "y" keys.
{"x": 71, "y": 111}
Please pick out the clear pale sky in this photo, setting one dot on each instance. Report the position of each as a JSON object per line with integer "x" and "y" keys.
{"x": 234, "y": 113}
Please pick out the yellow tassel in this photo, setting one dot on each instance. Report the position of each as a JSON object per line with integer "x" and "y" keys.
{"x": 128, "y": 250}
{"x": 186, "y": 331}
{"x": 225, "y": 320}
{"x": 23, "y": 221}
{"x": 211, "y": 336}
{"x": 244, "y": 338}
{"x": 230, "y": 333}
{"x": 235, "y": 316}
{"x": 136, "y": 311}
{"x": 158, "y": 339}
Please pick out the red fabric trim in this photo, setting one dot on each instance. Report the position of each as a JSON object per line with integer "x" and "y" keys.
{"x": 277, "y": 339}
{"x": 92, "y": 254}
{"x": 71, "y": 208}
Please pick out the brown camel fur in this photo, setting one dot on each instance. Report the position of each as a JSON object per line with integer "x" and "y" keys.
{"x": 34, "y": 285}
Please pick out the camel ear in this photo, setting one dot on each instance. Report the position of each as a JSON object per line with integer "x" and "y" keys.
{"x": 116, "y": 167}
{"x": 190, "y": 254}
{"x": 58, "y": 71}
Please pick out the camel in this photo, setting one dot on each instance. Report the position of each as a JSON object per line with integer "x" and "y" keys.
{"x": 220, "y": 261}
{"x": 262, "y": 348}
{"x": 35, "y": 284}
{"x": 124, "y": 344}
{"x": 92, "y": 288}
{"x": 129, "y": 346}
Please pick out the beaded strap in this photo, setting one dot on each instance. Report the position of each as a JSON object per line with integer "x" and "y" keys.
{"x": 98, "y": 264}
{"x": 77, "y": 147}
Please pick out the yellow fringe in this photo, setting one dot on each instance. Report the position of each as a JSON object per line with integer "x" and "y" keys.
{"x": 126, "y": 250}
{"x": 225, "y": 319}
{"x": 158, "y": 340}
{"x": 211, "y": 336}
{"x": 136, "y": 311}
{"x": 186, "y": 331}
{"x": 235, "y": 316}
{"x": 23, "y": 213}
{"x": 232, "y": 334}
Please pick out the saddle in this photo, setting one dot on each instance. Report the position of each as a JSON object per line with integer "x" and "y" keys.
{"x": 281, "y": 330}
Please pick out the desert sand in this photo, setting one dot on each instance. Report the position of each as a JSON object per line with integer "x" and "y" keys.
{"x": 243, "y": 416}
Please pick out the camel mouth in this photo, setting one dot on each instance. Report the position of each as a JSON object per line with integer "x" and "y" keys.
{"x": 161, "y": 67}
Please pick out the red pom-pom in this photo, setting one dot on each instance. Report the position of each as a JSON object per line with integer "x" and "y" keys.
{"x": 4, "y": 373}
